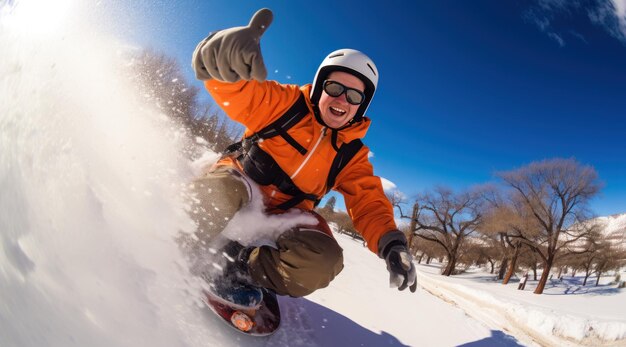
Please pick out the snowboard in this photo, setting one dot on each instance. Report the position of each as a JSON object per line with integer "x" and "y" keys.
{"x": 261, "y": 319}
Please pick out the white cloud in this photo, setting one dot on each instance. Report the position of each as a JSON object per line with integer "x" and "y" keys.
{"x": 370, "y": 154}
{"x": 388, "y": 186}
{"x": 578, "y": 36}
{"x": 544, "y": 12}
{"x": 620, "y": 13}
{"x": 609, "y": 14}
{"x": 557, "y": 38}
{"x": 620, "y": 8}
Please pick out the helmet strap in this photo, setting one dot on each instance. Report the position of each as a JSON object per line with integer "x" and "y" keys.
{"x": 318, "y": 116}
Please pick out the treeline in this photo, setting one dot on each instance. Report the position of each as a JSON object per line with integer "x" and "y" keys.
{"x": 163, "y": 84}
{"x": 341, "y": 219}
{"x": 534, "y": 217}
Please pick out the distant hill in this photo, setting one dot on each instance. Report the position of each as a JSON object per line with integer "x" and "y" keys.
{"x": 614, "y": 227}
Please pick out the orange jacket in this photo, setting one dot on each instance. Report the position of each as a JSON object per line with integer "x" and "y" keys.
{"x": 257, "y": 104}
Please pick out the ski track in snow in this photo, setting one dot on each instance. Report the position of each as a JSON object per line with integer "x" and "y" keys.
{"x": 484, "y": 311}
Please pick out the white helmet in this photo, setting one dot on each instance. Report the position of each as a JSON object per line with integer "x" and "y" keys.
{"x": 354, "y": 63}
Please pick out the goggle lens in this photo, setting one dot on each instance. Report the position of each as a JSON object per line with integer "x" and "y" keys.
{"x": 335, "y": 89}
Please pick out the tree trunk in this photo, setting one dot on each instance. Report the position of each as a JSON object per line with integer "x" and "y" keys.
{"x": 503, "y": 266}
{"x": 598, "y": 279}
{"x": 492, "y": 265}
{"x": 419, "y": 260}
{"x": 534, "y": 272}
{"x": 544, "y": 276}
{"x": 413, "y": 224}
{"x": 512, "y": 266}
{"x": 428, "y": 260}
{"x": 586, "y": 277}
{"x": 451, "y": 265}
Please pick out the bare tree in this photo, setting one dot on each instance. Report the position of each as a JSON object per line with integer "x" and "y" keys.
{"x": 507, "y": 217}
{"x": 341, "y": 219}
{"x": 344, "y": 222}
{"x": 610, "y": 257}
{"x": 212, "y": 125}
{"x": 585, "y": 263}
{"x": 586, "y": 252}
{"x": 413, "y": 225}
{"x": 446, "y": 218}
{"x": 495, "y": 226}
{"x": 555, "y": 194}
{"x": 164, "y": 85}
{"x": 479, "y": 251}
{"x": 330, "y": 204}
{"x": 528, "y": 259}
{"x": 428, "y": 249}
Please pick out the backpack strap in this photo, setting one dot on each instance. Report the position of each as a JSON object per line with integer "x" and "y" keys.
{"x": 346, "y": 152}
{"x": 264, "y": 170}
{"x": 279, "y": 127}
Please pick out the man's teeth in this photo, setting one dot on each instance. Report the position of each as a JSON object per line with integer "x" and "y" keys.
{"x": 338, "y": 110}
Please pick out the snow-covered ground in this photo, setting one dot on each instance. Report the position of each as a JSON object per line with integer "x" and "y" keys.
{"x": 91, "y": 202}
{"x": 565, "y": 314}
{"x": 361, "y": 301}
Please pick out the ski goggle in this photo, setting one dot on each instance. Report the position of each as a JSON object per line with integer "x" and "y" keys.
{"x": 335, "y": 89}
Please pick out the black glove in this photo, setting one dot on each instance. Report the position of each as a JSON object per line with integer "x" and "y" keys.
{"x": 392, "y": 248}
{"x": 233, "y": 54}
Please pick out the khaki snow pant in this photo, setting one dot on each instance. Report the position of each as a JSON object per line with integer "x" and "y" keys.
{"x": 219, "y": 194}
{"x": 306, "y": 258}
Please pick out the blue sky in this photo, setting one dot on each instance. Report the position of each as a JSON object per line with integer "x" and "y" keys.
{"x": 467, "y": 88}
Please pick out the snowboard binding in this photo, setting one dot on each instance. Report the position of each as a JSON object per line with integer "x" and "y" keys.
{"x": 231, "y": 296}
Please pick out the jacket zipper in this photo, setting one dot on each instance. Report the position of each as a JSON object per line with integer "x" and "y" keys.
{"x": 310, "y": 153}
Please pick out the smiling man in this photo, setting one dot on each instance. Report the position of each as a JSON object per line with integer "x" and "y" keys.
{"x": 300, "y": 142}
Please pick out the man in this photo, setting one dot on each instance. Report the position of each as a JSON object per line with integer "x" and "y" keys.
{"x": 295, "y": 139}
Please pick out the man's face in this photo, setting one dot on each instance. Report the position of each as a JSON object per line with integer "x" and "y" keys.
{"x": 337, "y": 111}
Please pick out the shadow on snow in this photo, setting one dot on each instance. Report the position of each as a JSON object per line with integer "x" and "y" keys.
{"x": 325, "y": 327}
{"x": 574, "y": 286}
{"x": 304, "y": 324}
{"x": 497, "y": 338}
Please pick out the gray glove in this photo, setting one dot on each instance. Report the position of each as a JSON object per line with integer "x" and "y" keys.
{"x": 233, "y": 54}
{"x": 392, "y": 248}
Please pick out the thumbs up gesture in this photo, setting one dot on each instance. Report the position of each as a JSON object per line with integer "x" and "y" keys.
{"x": 233, "y": 54}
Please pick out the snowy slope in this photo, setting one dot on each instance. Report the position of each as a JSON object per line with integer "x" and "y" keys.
{"x": 567, "y": 314}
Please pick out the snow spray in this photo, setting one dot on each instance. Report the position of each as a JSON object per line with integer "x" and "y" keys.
{"x": 91, "y": 198}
